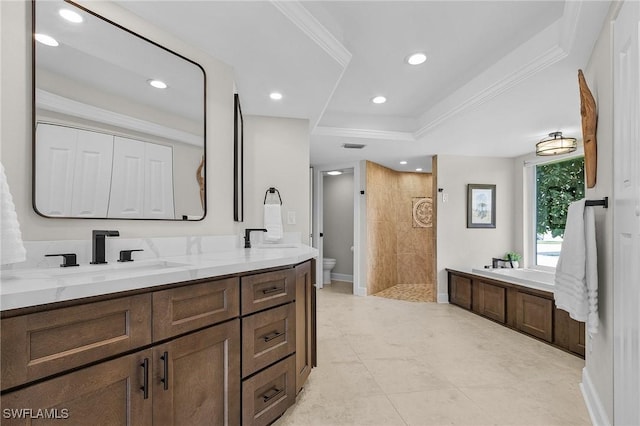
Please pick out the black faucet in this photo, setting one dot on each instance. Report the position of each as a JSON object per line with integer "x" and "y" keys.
{"x": 494, "y": 262}
{"x": 247, "y": 236}
{"x": 97, "y": 242}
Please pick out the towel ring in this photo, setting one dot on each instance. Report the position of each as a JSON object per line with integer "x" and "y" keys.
{"x": 272, "y": 190}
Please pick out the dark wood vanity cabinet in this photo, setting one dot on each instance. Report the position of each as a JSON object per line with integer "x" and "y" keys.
{"x": 529, "y": 311}
{"x": 277, "y": 340}
{"x": 164, "y": 357}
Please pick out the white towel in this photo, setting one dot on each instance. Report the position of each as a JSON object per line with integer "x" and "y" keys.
{"x": 11, "y": 247}
{"x": 576, "y": 280}
{"x": 273, "y": 222}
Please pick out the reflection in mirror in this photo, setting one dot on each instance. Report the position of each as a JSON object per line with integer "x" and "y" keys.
{"x": 119, "y": 121}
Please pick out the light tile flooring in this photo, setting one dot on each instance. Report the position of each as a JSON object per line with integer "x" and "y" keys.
{"x": 391, "y": 362}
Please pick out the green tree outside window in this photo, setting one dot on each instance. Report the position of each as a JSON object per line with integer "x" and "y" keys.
{"x": 557, "y": 185}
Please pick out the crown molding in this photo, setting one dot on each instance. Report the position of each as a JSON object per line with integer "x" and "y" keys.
{"x": 308, "y": 24}
{"x": 52, "y": 102}
{"x": 558, "y": 48}
{"x": 363, "y": 133}
{"x": 530, "y": 69}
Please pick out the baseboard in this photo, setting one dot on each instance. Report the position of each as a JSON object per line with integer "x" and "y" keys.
{"x": 342, "y": 277}
{"x": 360, "y": 291}
{"x": 443, "y": 297}
{"x": 592, "y": 400}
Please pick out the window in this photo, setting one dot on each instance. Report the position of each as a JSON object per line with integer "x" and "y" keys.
{"x": 557, "y": 184}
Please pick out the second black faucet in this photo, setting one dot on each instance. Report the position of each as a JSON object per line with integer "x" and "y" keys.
{"x": 97, "y": 245}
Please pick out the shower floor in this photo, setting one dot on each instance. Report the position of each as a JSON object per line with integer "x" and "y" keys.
{"x": 409, "y": 292}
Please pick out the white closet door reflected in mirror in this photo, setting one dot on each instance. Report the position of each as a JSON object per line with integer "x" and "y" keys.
{"x": 90, "y": 174}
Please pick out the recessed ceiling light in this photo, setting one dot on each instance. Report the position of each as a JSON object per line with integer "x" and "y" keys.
{"x": 47, "y": 40}
{"x": 334, "y": 173}
{"x": 70, "y": 15}
{"x": 418, "y": 169}
{"x": 158, "y": 84}
{"x": 416, "y": 59}
{"x": 275, "y": 96}
{"x": 379, "y": 100}
{"x": 403, "y": 162}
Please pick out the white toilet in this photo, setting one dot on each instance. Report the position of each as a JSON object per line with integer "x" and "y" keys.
{"x": 327, "y": 265}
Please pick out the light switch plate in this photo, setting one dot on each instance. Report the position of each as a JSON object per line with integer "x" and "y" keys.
{"x": 291, "y": 218}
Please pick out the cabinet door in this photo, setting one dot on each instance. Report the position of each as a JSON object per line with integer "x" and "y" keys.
{"x": 534, "y": 315}
{"x": 158, "y": 182}
{"x": 304, "y": 317}
{"x": 568, "y": 333}
{"x": 127, "y": 183}
{"x": 196, "y": 379}
{"x": 492, "y": 301}
{"x": 460, "y": 291}
{"x": 110, "y": 393}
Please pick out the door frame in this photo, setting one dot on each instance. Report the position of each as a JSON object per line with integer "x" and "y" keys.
{"x": 359, "y": 210}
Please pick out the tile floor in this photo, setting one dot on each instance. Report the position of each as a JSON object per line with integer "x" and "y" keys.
{"x": 390, "y": 362}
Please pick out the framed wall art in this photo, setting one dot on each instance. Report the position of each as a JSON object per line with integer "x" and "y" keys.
{"x": 481, "y": 206}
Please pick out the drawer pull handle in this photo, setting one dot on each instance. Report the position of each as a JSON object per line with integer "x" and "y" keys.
{"x": 274, "y": 335}
{"x": 272, "y": 290}
{"x": 165, "y": 367}
{"x": 277, "y": 392}
{"x": 145, "y": 380}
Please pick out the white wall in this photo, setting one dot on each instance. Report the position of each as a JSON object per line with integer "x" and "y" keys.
{"x": 599, "y": 353}
{"x": 15, "y": 152}
{"x": 457, "y": 245}
{"x": 337, "y": 220}
{"x": 279, "y": 157}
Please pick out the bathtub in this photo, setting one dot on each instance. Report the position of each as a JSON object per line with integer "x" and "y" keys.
{"x": 532, "y": 278}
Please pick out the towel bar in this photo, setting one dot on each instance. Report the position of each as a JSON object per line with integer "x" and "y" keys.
{"x": 604, "y": 202}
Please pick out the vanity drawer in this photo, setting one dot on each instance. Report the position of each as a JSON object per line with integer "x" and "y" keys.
{"x": 183, "y": 309}
{"x": 269, "y": 393}
{"x": 44, "y": 343}
{"x": 267, "y": 337}
{"x": 262, "y": 291}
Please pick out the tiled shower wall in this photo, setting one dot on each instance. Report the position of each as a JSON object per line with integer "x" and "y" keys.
{"x": 398, "y": 252}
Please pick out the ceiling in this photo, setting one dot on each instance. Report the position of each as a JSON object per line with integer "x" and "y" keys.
{"x": 499, "y": 75}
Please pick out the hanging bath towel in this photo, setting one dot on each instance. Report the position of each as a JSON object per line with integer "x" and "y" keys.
{"x": 576, "y": 280}
{"x": 273, "y": 222}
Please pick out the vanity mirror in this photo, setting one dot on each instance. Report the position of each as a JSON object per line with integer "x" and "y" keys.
{"x": 118, "y": 121}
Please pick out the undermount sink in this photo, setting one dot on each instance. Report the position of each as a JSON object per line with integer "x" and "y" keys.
{"x": 115, "y": 267}
{"x": 275, "y": 246}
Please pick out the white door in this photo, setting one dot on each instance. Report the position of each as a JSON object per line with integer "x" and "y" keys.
{"x": 55, "y": 157}
{"x": 127, "y": 180}
{"x": 92, "y": 174}
{"x": 158, "y": 182}
{"x": 626, "y": 228}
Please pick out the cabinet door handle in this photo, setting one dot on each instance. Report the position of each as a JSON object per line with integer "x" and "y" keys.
{"x": 145, "y": 379}
{"x": 271, "y": 290}
{"x": 276, "y": 392}
{"x": 165, "y": 367}
{"x": 274, "y": 335}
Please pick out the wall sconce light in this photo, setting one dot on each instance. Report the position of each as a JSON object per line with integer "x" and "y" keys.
{"x": 556, "y": 144}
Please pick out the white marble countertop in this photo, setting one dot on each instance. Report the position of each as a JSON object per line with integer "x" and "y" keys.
{"x": 31, "y": 287}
